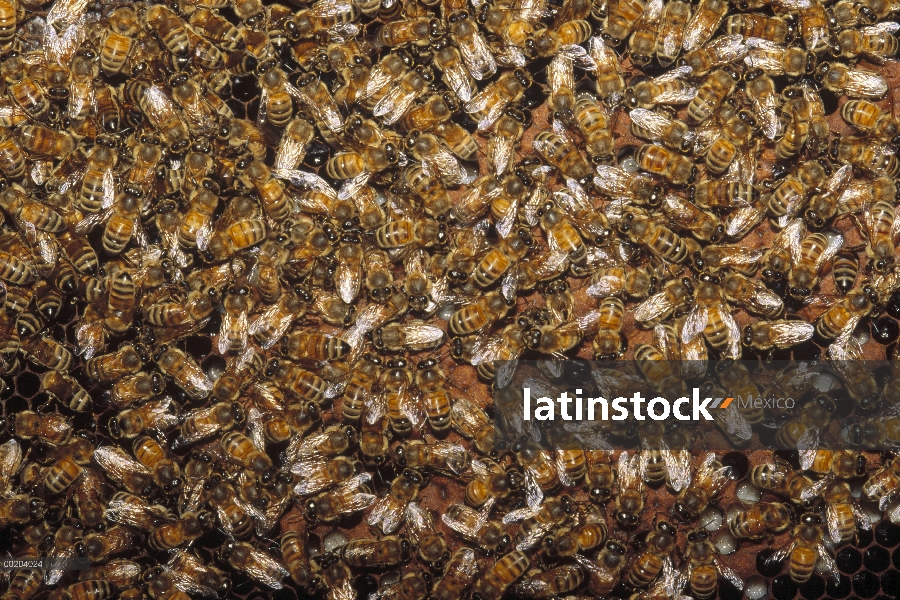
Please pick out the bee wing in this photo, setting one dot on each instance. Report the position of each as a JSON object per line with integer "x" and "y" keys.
{"x": 629, "y": 470}
{"x": 734, "y": 423}
{"x": 884, "y": 27}
{"x": 91, "y": 220}
{"x": 461, "y": 526}
{"x": 676, "y": 95}
{"x": 839, "y": 179}
{"x": 313, "y": 477}
{"x": 782, "y": 553}
{"x": 533, "y": 588}
{"x": 605, "y": 58}
{"x": 560, "y": 74}
{"x": 305, "y": 180}
{"x": 862, "y": 518}
{"x": 10, "y": 463}
{"x": 455, "y": 456}
{"x": 183, "y": 581}
{"x": 134, "y": 512}
{"x": 694, "y": 324}
{"x": 492, "y": 115}
{"x": 835, "y": 243}
{"x": 387, "y": 514}
{"x": 500, "y": 152}
{"x": 394, "y": 104}
{"x": 766, "y": 109}
{"x": 478, "y": 57}
{"x": 534, "y": 495}
{"x": 324, "y": 109}
{"x": 678, "y": 468}
{"x": 612, "y": 181}
{"x": 729, "y": 574}
{"x": 458, "y": 80}
{"x": 828, "y": 562}
{"x": 418, "y": 521}
{"x": 351, "y": 187}
{"x": 728, "y": 49}
{"x": 608, "y": 285}
{"x": 117, "y": 462}
{"x": 560, "y": 462}
{"x": 791, "y": 333}
{"x": 652, "y": 307}
{"x": 811, "y": 492}
{"x": 507, "y": 222}
{"x": 274, "y": 317}
{"x": 266, "y": 569}
{"x": 866, "y": 84}
{"x": 379, "y": 77}
{"x": 348, "y": 277}
{"x": 650, "y": 120}
{"x": 423, "y": 335}
{"x": 444, "y": 165}
{"x": 834, "y": 523}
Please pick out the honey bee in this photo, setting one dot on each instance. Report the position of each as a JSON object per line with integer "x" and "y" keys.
{"x": 156, "y": 459}
{"x": 622, "y": 20}
{"x": 703, "y": 566}
{"x": 488, "y": 105}
{"x": 254, "y": 563}
{"x": 458, "y": 575}
{"x": 134, "y": 388}
{"x": 67, "y": 390}
{"x": 204, "y": 423}
{"x": 156, "y": 414}
{"x": 852, "y": 82}
{"x": 119, "y": 466}
{"x": 376, "y": 553}
{"x": 642, "y": 230}
{"x": 780, "y": 479}
{"x": 472, "y": 423}
{"x": 186, "y": 373}
{"x": 497, "y": 580}
{"x": 764, "y": 518}
{"x": 629, "y": 502}
{"x": 769, "y": 335}
{"x": 52, "y": 428}
{"x": 703, "y": 23}
{"x": 351, "y": 496}
{"x": 867, "y": 117}
{"x": 658, "y": 545}
{"x": 563, "y": 156}
{"x": 163, "y": 115}
{"x": 604, "y": 574}
{"x": 708, "y": 481}
{"x": 717, "y": 86}
{"x": 809, "y": 258}
{"x": 842, "y": 512}
{"x": 806, "y": 549}
{"x": 657, "y": 127}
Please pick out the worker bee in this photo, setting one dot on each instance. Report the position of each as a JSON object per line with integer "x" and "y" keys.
{"x": 349, "y": 497}
{"x": 605, "y": 572}
{"x": 471, "y": 422}
{"x": 708, "y": 481}
{"x": 50, "y": 427}
{"x": 488, "y": 105}
{"x": 458, "y": 575}
{"x": 163, "y": 115}
{"x": 852, "y": 82}
{"x": 184, "y": 372}
{"x": 703, "y": 567}
{"x": 809, "y": 258}
{"x": 676, "y": 296}
{"x": 764, "y": 518}
{"x": 780, "y": 479}
{"x": 657, "y": 127}
{"x": 630, "y": 498}
{"x": 67, "y": 390}
{"x": 204, "y": 423}
{"x": 156, "y": 414}
{"x": 497, "y": 580}
{"x": 443, "y": 457}
{"x": 476, "y": 526}
{"x": 254, "y": 563}
{"x": 658, "y": 545}
{"x": 389, "y": 511}
{"x": 770, "y": 335}
{"x": 806, "y": 549}
{"x": 100, "y": 546}
{"x": 717, "y": 86}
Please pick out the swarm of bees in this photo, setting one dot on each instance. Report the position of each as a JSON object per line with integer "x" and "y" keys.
{"x": 260, "y": 265}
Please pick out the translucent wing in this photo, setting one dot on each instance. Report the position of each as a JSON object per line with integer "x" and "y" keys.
{"x": 387, "y": 514}
{"x": 265, "y": 568}
{"x": 10, "y": 462}
{"x": 394, "y": 104}
{"x": 828, "y": 563}
{"x": 865, "y": 84}
{"x": 678, "y": 468}
{"x": 324, "y": 109}
{"x": 478, "y": 57}
{"x": 458, "y": 81}
{"x": 444, "y": 165}
{"x": 729, "y": 574}
{"x": 734, "y": 423}
{"x": 117, "y": 462}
